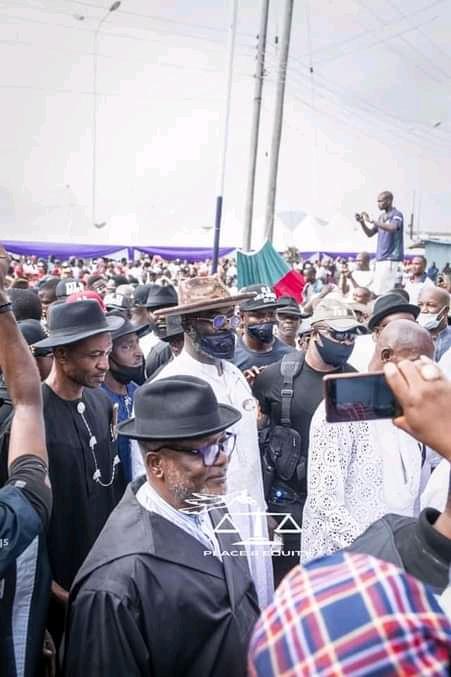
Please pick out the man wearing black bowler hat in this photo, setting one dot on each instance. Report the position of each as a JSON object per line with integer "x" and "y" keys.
{"x": 158, "y": 296}
{"x": 386, "y": 309}
{"x": 125, "y": 374}
{"x": 83, "y": 461}
{"x": 157, "y": 594}
{"x": 288, "y": 320}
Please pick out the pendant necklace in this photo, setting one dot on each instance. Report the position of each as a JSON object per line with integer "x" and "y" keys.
{"x": 97, "y": 476}
{"x": 128, "y": 402}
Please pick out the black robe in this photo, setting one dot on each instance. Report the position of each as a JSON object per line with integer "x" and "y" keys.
{"x": 148, "y": 602}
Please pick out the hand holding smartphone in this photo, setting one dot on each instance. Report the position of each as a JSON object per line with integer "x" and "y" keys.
{"x": 359, "y": 397}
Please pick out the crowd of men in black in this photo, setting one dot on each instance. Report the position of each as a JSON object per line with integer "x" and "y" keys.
{"x": 125, "y": 420}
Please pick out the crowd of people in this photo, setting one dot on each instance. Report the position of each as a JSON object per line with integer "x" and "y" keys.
{"x": 175, "y": 501}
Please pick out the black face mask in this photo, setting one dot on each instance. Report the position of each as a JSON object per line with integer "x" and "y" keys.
{"x": 333, "y": 353}
{"x": 220, "y": 346}
{"x": 262, "y": 332}
{"x": 126, "y": 375}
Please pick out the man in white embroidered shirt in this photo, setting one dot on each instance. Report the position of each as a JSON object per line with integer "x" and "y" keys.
{"x": 362, "y": 470}
{"x": 164, "y": 591}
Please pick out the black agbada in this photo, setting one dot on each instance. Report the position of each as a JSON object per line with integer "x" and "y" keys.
{"x": 81, "y": 506}
{"x": 148, "y": 602}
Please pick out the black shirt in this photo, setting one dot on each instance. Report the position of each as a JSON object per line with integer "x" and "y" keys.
{"x": 245, "y": 358}
{"x": 81, "y": 505}
{"x": 308, "y": 393}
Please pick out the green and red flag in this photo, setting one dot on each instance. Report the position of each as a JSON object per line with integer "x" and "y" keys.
{"x": 267, "y": 266}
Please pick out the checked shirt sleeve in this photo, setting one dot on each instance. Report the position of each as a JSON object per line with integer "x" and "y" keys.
{"x": 328, "y": 525}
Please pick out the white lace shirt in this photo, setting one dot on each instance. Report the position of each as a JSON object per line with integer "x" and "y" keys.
{"x": 357, "y": 472}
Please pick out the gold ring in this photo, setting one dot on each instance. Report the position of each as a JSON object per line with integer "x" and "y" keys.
{"x": 430, "y": 372}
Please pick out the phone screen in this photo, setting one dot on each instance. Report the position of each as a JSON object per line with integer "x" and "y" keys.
{"x": 359, "y": 397}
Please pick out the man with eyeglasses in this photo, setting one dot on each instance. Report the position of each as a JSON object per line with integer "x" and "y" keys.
{"x": 334, "y": 327}
{"x": 159, "y": 593}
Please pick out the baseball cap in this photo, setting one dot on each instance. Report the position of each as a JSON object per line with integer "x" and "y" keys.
{"x": 264, "y": 298}
{"x": 117, "y": 302}
{"x": 67, "y": 288}
{"x": 336, "y": 315}
{"x": 288, "y": 306}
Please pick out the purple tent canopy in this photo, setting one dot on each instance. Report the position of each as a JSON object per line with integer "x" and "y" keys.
{"x": 188, "y": 253}
{"x": 60, "y": 250}
{"x": 86, "y": 251}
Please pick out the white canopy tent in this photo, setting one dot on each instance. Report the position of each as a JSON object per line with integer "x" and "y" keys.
{"x": 313, "y": 234}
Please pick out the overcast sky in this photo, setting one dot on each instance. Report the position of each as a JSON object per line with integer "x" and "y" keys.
{"x": 364, "y": 122}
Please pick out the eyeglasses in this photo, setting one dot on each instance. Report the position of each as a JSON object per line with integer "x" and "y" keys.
{"x": 222, "y": 321}
{"x": 210, "y": 452}
{"x": 340, "y": 335}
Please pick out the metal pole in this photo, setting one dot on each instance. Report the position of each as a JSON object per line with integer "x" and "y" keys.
{"x": 113, "y": 8}
{"x": 259, "y": 75}
{"x": 94, "y": 131}
{"x": 278, "y": 118}
{"x": 221, "y": 178}
{"x": 412, "y": 217}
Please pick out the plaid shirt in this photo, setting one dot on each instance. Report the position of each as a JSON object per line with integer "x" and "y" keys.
{"x": 351, "y": 615}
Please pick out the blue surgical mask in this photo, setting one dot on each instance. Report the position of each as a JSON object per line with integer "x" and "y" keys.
{"x": 262, "y": 332}
{"x": 430, "y": 321}
{"x": 333, "y": 353}
{"x": 220, "y": 346}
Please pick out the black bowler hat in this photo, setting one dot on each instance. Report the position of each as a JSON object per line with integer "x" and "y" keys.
{"x": 140, "y": 295}
{"x": 128, "y": 327}
{"x": 169, "y": 326}
{"x": 389, "y": 304}
{"x": 32, "y": 331}
{"x": 177, "y": 408}
{"x": 288, "y": 306}
{"x": 161, "y": 296}
{"x": 72, "y": 322}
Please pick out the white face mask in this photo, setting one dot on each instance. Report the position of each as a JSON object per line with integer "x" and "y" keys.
{"x": 430, "y": 321}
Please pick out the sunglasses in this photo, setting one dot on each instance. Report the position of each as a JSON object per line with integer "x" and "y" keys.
{"x": 42, "y": 352}
{"x": 341, "y": 335}
{"x": 222, "y": 321}
{"x": 210, "y": 452}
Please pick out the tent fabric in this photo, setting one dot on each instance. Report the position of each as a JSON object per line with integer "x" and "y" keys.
{"x": 85, "y": 251}
{"x": 188, "y": 253}
{"x": 292, "y": 284}
{"x": 265, "y": 266}
{"x": 60, "y": 250}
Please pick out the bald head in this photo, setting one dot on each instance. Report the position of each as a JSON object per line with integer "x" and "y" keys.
{"x": 385, "y": 200}
{"x": 436, "y": 295}
{"x": 401, "y": 340}
{"x": 434, "y": 302}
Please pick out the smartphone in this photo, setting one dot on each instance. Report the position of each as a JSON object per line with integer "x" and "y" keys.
{"x": 359, "y": 397}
